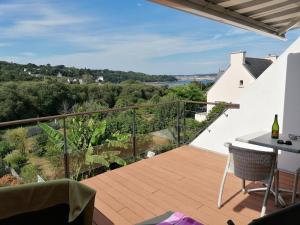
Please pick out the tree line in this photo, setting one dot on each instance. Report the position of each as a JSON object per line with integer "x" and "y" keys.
{"x": 32, "y": 72}
{"x": 21, "y": 100}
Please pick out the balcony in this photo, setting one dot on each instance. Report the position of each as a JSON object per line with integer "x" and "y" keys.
{"x": 185, "y": 179}
{"x": 83, "y": 144}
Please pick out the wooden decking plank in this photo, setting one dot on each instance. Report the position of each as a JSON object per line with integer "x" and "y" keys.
{"x": 125, "y": 177}
{"x": 206, "y": 189}
{"x": 162, "y": 171}
{"x": 185, "y": 179}
{"x": 115, "y": 217}
{"x": 134, "y": 206}
{"x": 168, "y": 187}
{"x": 195, "y": 192}
{"x": 130, "y": 215}
{"x": 146, "y": 205}
{"x": 110, "y": 201}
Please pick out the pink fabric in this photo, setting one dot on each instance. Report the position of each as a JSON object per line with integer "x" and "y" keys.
{"x": 178, "y": 218}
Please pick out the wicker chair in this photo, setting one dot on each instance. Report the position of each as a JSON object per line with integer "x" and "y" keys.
{"x": 250, "y": 165}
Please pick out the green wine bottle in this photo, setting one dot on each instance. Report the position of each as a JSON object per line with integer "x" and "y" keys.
{"x": 275, "y": 128}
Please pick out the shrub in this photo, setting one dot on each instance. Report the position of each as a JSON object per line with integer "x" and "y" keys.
{"x": 8, "y": 180}
{"x": 215, "y": 112}
{"x": 166, "y": 147}
{"x": 15, "y": 160}
{"x": 39, "y": 147}
{"x": 54, "y": 155}
{"x": 40, "y": 152}
{"x": 5, "y": 148}
{"x": 18, "y": 137}
{"x": 2, "y": 168}
{"x": 29, "y": 173}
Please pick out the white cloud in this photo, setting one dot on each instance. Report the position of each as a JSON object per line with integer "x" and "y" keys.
{"x": 28, "y": 54}
{"x": 35, "y": 19}
{"x": 130, "y": 48}
{"x": 141, "y": 52}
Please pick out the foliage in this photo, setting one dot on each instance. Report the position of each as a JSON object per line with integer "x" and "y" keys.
{"x": 5, "y": 148}
{"x": 85, "y": 136}
{"x": 87, "y": 78}
{"x": 15, "y": 160}
{"x": 190, "y": 92}
{"x": 2, "y": 168}
{"x": 215, "y": 112}
{"x": 8, "y": 180}
{"x": 90, "y": 106}
{"x": 21, "y": 100}
{"x": 165, "y": 115}
{"x": 29, "y": 173}
{"x": 36, "y": 130}
{"x": 166, "y": 147}
{"x": 54, "y": 155}
{"x": 18, "y": 72}
{"x": 18, "y": 137}
{"x": 99, "y": 139}
{"x": 192, "y": 129}
{"x": 39, "y": 147}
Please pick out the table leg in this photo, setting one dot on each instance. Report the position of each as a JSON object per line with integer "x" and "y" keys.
{"x": 276, "y": 178}
{"x": 278, "y": 197}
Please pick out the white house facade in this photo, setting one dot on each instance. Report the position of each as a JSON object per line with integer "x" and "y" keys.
{"x": 241, "y": 72}
{"x": 276, "y": 91}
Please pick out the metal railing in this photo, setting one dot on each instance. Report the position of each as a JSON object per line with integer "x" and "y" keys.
{"x": 183, "y": 113}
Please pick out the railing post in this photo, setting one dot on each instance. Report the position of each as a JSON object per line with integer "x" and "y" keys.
{"x": 66, "y": 154}
{"x": 178, "y": 123}
{"x": 134, "y": 134}
{"x": 184, "y": 123}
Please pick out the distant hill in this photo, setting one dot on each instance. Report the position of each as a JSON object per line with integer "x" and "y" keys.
{"x": 20, "y": 72}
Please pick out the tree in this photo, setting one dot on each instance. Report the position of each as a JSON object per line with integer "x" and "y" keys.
{"x": 189, "y": 92}
{"x": 88, "y": 79}
{"x": 84, "y": 138}
{"x": 19, "y": 138}
{"x": 29, "y": 173}
{"x": 5, "y": 148}
{"x": 192, "y": 92}
{"x": 15, "y": 160}
{"x": 2, "y": 168}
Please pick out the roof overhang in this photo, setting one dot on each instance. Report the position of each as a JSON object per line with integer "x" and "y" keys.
{"x": 270, "y": 17}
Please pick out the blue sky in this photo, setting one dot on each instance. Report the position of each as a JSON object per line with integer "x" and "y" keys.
{"x": 125, "y": 35}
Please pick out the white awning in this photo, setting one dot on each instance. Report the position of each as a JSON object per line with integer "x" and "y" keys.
{"x": 271, "y": 17}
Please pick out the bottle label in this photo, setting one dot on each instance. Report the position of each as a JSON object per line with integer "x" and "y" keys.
{"x": 275, "y": 134}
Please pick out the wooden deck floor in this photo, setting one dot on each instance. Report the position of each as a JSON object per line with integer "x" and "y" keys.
{"x": 185, "y": 179}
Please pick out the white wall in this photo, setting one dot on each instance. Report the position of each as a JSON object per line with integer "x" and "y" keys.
{"x": 200, "y": 117}
{"x": 227, "y": 87}
{"x": 276, "y": 91}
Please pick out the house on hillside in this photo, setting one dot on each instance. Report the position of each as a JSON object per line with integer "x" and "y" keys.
{"x": 232, "y": 82}
{"x": 59, "y": 75}
{"x": 241, "y": 72}
{"x": 73, "y": 81}
{"x": 99, "y": 79}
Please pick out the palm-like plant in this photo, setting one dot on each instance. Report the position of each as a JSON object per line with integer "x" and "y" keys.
{"x": 85, "y": 137}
